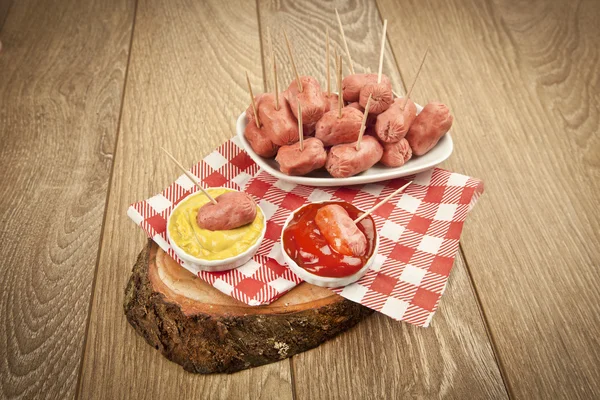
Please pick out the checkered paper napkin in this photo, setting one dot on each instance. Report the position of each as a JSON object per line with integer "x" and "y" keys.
{"x": 419, "y": 233}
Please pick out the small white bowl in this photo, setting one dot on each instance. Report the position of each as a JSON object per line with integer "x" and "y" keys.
{"x": 216, "y": 265}
{"x": 325, "y": 281}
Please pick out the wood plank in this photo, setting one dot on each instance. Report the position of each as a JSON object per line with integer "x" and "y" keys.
{"x": 185, "y": 86}
{"x": 362, "y": 27}
{"x": 385, "y": 359}
{"x": 60, "y": 95}
{"x": 522, "y": 81}
{"x": 4, "y": 8}
{"x": 382, "y": 358}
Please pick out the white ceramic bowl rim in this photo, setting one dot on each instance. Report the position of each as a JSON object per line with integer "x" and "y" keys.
{"x": 329, "y": 279}
{"x": 213, "y": 263}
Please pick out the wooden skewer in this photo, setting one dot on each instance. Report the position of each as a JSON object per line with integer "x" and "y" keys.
{"x": 274, "y": 68}
{"x": 415, "y": 80}
{"x": 289, "y": 47}
{"x": 300, "y": 127}
{"x": 364, "y": 123}
{"x": 327, "y": 62}
{"x": 190, "y": 176}
{"x": 253, "y": 102}
{"x": 345, "y": 43}
{"x": 382, "y": 50}
{"x": 270, "y": 45}
{"x": 382, "y": 202}
{"x": 340, "y": 96}
{"x": 276, "y": 85}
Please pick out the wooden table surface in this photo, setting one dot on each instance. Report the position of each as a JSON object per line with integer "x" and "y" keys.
{"x": 90, "y": 90}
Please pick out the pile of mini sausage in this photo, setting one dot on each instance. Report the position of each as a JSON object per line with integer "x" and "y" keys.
{"x": 394, "y": 132}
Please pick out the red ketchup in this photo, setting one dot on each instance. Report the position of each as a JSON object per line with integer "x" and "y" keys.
{"x": 304, "y": 243}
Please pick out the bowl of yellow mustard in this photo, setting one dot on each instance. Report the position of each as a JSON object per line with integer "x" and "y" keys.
{"x": 212, "y": 250}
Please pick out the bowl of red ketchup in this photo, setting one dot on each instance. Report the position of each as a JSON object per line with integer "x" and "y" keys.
{"x": 326, "y": 248}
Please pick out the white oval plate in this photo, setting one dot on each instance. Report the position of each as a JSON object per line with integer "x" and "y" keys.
{"x": 441, "y": 151}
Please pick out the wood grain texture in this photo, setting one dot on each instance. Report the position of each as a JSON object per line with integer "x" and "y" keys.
{"x": 4, "y": 7}
{"x": 305, "y": 23}
{"x": 382, "y": 358}
{"x": 522, "y": 81}
{"x": 61, "y": 86}
{"x": 184, "y": 88}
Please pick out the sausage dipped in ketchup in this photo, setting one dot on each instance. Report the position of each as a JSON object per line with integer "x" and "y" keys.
{"x": 340, "y": 231}
{"x": 308, "y": 247}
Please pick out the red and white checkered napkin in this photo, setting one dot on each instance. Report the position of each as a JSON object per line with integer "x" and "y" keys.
{"x": 419, "y": 232}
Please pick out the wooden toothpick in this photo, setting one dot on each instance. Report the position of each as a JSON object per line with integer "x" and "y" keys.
{"x": 271, "y": 54}
{"x": 300, "y": 127}
{"x": 274, "y": 69}
{"x": 382, "y": 202}
{"x": 327, "y": 62}
{"x": 364, "y": 123}
{"x": 415, "y": 80}
{"x": 190, "y": 176}
{"x": 289, "y": 47}
{"x": 382, "y": 51}
{"x": 345, "y": 43}
{"x": 276, "y": 86}
{"x": 253, "y": 102}
{"x": 340, "y": 96}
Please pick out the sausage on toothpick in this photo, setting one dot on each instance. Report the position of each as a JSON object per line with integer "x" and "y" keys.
{"x": 279, "y": 123}
{"x": 302, "y": 157}
{"x": 340, "y": 232}
{"x": 349, "y": 159}
{"x": 304, "y": 89}
{"x": 342, "y": 124}
{"x": 255, "y": 133}
{"x": 380, "y": 92}
{"x": 232, "y": 210}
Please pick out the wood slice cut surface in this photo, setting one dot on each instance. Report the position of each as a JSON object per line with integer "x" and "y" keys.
{"x": 207, "y": 331}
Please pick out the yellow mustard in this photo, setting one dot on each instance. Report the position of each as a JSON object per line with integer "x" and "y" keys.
{"x": 210, "y": 245}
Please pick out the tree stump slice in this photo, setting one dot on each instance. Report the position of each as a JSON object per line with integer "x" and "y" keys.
{"x": 206, "y": 331}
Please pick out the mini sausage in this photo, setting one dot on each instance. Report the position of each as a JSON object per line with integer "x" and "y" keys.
{"x": 381, "y": 96}
{"x": 429, "y": 126}
{"x": 332, "y": 130}
{"x": 340, "y": 231}
{"x": 396, "y": 154}
{"x": 233, "y": 209}
{"x": 393, "y": 124}
{"x": 250, "y": 110}
{"x": 280, "y": 126}
{"x": 352, "y": 84}
{"x": 311, "y": 98}
{"x": 259, "y": 141}
{"x": 371, "y": 118}
{"x": 344, "y": 161}
{"x": 309, "y": 129}
{"x": 293, "y": 161}
{"x": 331, "y": 101}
